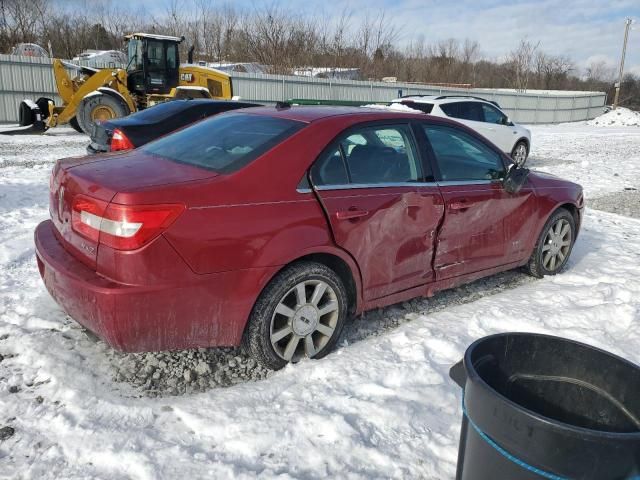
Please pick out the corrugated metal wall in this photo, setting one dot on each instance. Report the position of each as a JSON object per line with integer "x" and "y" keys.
{"x": 27, "y": 77}
{"x": 529, "y": 108}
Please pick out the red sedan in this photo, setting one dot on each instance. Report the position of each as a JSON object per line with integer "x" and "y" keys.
{"x": 272, "y": 226}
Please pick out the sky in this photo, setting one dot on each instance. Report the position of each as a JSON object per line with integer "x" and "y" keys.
{"x": 584, "y": 30}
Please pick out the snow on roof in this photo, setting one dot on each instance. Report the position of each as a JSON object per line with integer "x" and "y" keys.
{"x": 246, "y": 67}
{"x": 95, "y": 55}
{"x": 538, "y": 92}
{"x": 620, "y": 117}
{"x": 29, "y": 50}
{"x": 154, "y": 36}
{"x": 221, "y": 72}
{"x": 394, "y": 107}
{"x": 314, "y": 71}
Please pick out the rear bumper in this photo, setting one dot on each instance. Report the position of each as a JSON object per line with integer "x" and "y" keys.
{"x": 211, "y": 310}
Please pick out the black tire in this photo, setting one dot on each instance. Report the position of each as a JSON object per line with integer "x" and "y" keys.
{"x": 257, "y": 335}
{"x": 43, "y": 105}
{"x": 74, "y": 123}
{"x": 27, "y": 116}
{"x": 519, "y": 149}
{"x": 88, "y": 106}
{"x": 536, "y": 266}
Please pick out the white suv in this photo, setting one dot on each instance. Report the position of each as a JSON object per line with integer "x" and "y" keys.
{"x": 483, "y": 116}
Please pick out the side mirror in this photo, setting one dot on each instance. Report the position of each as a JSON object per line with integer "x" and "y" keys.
{"x": 515, "y": 179}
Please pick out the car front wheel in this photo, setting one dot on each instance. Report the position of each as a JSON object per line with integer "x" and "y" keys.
{"x": 519, "y": 153}
{"x": 299, "y": 314}
{"x": 554, "y": 245}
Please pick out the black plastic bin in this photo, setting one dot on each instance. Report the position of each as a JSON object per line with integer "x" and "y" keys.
{"x": 536, "y": 406}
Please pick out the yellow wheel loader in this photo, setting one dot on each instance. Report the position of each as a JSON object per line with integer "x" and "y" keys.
{"x": 153, "y": 75}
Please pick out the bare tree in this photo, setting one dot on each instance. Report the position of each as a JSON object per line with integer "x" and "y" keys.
{"x": 520, "y": 62}
{"x": 551, "y": 71}
{"x": 599, "y": 71}
{"x": 284, "y": 42}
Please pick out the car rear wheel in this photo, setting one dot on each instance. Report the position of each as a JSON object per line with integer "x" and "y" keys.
{"x": 519, "y": 153}
{"x": 554, "y": 245}
{"x": 299, "y": 314}
{"x": 99, "y": 106}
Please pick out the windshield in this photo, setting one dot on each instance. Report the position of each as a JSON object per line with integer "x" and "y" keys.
{"x": 134, "y": 52}
{"x": 224, "y": 143}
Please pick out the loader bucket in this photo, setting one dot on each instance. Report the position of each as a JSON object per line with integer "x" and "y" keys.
{"x": 30, "y": 119}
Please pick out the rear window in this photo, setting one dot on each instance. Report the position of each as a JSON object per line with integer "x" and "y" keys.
{"x": 162, "y": 110}
{"x": 224, "y": 143}
{"x": 423, "y": 107}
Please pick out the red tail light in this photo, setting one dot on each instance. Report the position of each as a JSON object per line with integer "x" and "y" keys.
{"x": 119, "y": 141}
{"x": 123, "y": 227}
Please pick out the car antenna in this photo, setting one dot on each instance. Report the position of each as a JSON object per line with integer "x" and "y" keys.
{"x": 282, "y": 105}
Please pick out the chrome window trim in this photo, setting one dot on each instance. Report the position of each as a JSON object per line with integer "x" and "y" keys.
{"x": 455, "y": 183}
{"x": 355, "y": 186}
{"x": 443, "y": 183}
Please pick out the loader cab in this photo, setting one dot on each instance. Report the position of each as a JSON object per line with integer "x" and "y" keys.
{"x": 153, "y": 63}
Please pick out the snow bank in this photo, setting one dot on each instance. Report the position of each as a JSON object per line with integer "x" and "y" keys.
{"x": 620, "y": 117}
{"x": 394, "y": 107}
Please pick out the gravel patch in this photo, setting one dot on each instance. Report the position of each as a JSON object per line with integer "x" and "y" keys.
{"x": 188, "y": 371}
{"x": 6, "y": 432}
{"x": 625, "y": 203}
{"x": 191, "y": 371}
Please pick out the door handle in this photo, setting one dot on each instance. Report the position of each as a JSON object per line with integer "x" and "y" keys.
{"x": 352, "y": 213}
{"x": 458, "y": 206}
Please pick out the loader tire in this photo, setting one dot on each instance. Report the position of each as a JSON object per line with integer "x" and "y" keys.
{"x": 74, "y": 123}
{"x": 99, "y": 106}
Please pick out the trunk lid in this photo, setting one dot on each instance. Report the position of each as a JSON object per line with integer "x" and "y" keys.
{"x": 131, "y": 171}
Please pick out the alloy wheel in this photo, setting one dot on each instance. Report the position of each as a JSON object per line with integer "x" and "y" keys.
{"x": 520, "y": 154}
{"x": 557, "y": 243}
{"x": 304, "y": 320}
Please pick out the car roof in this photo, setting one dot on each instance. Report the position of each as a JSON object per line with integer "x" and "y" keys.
{"x": 308, "y": 113}
{"x": 162, "y": 111}
{"x": 441, "y": 99}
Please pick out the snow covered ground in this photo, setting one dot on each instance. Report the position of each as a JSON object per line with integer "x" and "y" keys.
{"x": 381, "y": 406}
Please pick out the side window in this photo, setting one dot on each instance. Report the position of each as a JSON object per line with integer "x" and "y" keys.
{"x": 350, "y": 142}
{"x": 172, "y": 56}
{"x": 471, "y": 111}
{"x": 452, "y": 109}
{"x": 493, "y": 115}
{"x": 461, "y": 156}
{"x": 155, "y": 53}
{"x": 330, "y": 169}
{"x": 387, "y": 156}
{"x": 370, "y": 155}
{"x": 392, "y": 137}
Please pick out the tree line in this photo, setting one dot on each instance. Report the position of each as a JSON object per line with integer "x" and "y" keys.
{"x": 283, "y": 41}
